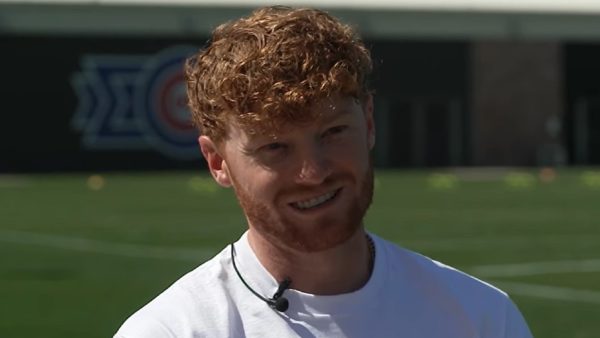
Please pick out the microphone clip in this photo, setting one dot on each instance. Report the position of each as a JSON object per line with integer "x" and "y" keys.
{"x": 278, "y": 302}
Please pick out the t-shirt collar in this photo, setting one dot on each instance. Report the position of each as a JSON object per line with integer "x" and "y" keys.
{"x": 301, "y": 303}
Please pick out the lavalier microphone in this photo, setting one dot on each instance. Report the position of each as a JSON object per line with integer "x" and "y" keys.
{"x": 277, "y": 302}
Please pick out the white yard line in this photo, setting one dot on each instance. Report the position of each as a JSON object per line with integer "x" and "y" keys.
{"x": 199, "y": 255}
{"x": 147, "y": 251}
{"x": 536, "y": 268}
{"x": 103, "y": 247}
{"x": 550, "y": 292}
{"x": 485, "y": 243}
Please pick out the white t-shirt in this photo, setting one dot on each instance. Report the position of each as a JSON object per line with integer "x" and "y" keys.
{"x": 408, "y": 296}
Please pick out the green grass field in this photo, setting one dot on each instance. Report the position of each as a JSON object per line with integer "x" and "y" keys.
{"x": 79, "y": 255}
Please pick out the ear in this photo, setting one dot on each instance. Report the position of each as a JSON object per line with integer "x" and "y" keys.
{"x": 368, "y": 110}
{"x": 216, "y": 162}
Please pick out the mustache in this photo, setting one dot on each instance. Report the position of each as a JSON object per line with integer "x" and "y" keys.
{"x": 331, "y": 182}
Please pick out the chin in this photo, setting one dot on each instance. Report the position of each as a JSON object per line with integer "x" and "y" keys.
{"x": 314, "y": 233}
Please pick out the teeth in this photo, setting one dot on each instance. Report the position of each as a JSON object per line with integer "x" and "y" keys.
{"x": 313, "y": 202}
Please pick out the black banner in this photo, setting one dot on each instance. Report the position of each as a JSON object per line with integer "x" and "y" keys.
{"x": 82, "y": 103}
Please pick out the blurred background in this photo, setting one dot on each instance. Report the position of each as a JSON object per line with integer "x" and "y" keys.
{"x": 488, "y": 130}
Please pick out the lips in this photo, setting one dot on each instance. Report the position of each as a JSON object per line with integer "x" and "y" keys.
{"x": 315, "y": 201}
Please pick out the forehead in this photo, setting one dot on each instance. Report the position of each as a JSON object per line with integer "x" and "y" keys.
{"x": 326, "y": 111}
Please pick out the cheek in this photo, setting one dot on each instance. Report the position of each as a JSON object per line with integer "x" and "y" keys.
{"x": 261, "y": 185}
{"x": 352, "y": 154}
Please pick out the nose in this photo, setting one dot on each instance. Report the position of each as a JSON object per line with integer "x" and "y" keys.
{"x": 314, "y": 166}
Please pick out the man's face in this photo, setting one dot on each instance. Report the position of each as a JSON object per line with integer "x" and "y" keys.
{"x": 309, "y": 186}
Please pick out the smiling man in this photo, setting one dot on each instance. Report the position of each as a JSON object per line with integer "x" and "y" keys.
{"x": 286, "y": 117}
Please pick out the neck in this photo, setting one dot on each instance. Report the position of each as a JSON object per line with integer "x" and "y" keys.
{"x": 341, "y": 269}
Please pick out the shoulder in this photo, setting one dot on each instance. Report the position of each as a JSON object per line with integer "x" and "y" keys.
{"x": 487, "y": 307}
{"x": 427, "y": 270}
{"x": 195, "y": 303}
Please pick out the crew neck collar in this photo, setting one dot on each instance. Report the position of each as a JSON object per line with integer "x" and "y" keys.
{"x": 301, "y": 303}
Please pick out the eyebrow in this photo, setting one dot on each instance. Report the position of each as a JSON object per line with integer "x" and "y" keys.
{"x": 250, "y": 147}
{"x": 339, "y": 113}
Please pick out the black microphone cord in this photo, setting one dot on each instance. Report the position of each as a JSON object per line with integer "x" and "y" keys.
{"x": 276, "y": 302}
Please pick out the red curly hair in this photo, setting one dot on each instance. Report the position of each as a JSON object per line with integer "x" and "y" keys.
{"x": 264, "y": 71}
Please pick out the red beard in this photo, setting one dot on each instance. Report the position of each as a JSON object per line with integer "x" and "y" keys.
{"x": 326, "y": 233}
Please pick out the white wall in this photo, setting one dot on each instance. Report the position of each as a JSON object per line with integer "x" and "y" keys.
{"x": 575, "y": 20}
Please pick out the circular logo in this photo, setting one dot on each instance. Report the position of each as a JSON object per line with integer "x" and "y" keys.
{"x": 172, "y": 103}
{"x": 161, "y": 104}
